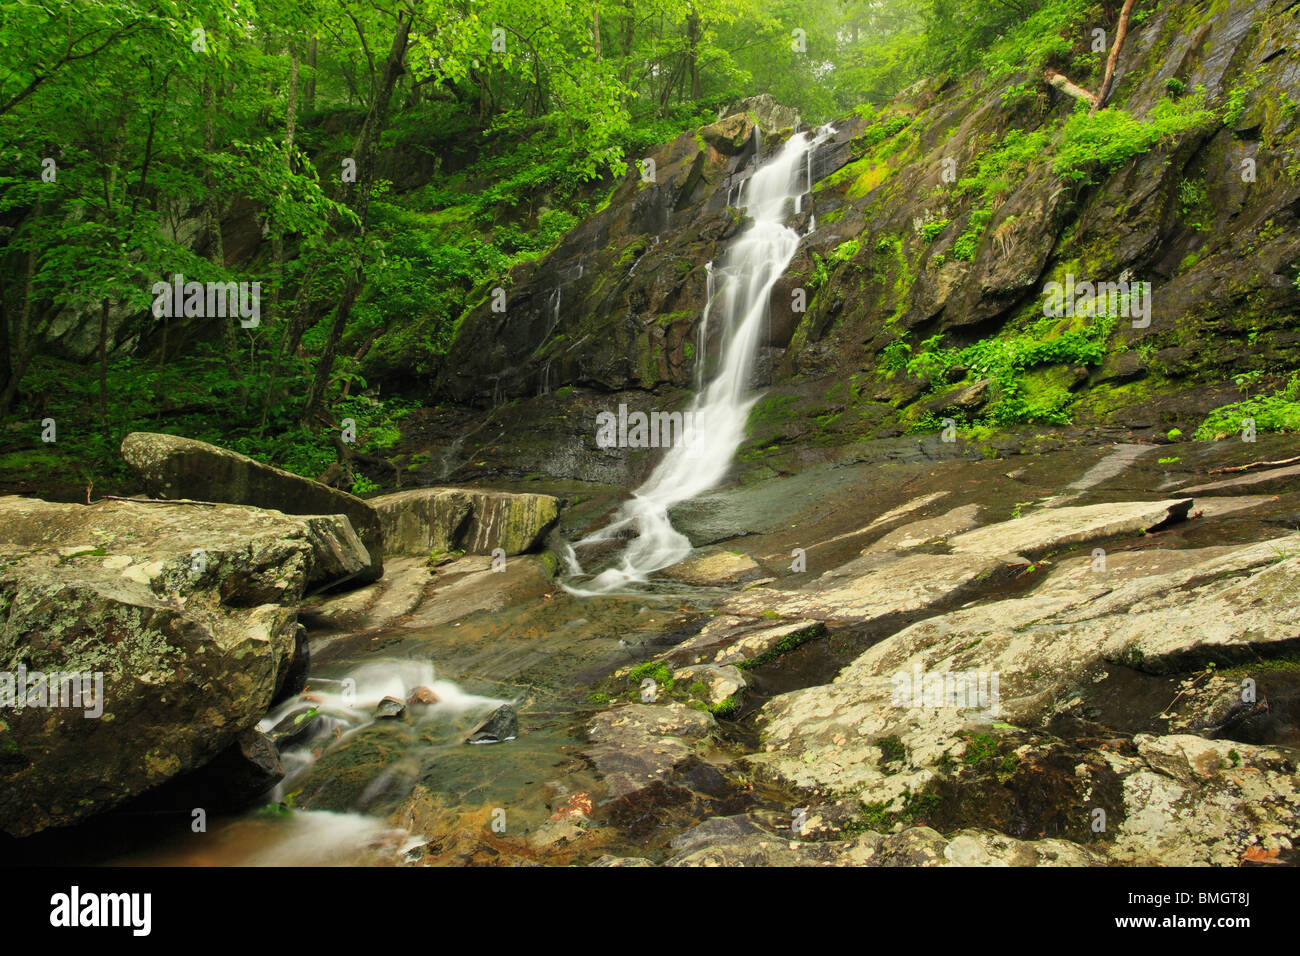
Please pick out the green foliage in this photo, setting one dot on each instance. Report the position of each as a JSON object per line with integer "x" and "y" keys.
{"x": 822, "y": 268}
{"x": 999, "y": 170}
{"x": 933, "y": 230}
{"x": 1010, "y": 361}
{"x": 1093, "y": 144}
{"x": 968, "y": 242}
{"x": 894, "y": 356}
{"x": 1005, "y": 39}
{"x": 1278, "y": 412}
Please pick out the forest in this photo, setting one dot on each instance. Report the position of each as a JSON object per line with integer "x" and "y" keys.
{"x": 137, "y": 136}
{"x": 651, "y": 433}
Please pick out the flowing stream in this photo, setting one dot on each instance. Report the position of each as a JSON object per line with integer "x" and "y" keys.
{"x": 751, "y": 267}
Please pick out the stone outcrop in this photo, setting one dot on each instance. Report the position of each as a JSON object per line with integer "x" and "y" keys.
{"x": 185, "y": 610}
{"x": 902, "y": 253}
{"x": 467, "y": 519}
{"x": 173, "y": 467}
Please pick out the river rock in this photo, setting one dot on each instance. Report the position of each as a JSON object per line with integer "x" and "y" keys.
{"x": 770, "y": 114}
{"x": 720, "y": 683}
{"x": 237, "y": 778}
{"x": 501, "y": 725}
{"x": 295, "y": 728}
{"x": 478, "y": 522}
{"x": 390, "y": 708}
{"x": 173, "y": 467}
{"x": 422, "y": 696}
{"x": 714, "y": 567}
{"x": 187, "y": 613}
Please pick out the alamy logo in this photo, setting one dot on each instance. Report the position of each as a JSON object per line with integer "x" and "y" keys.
{"x": 74, "y": 908}
{"x": 977, "y": 690}
{"x": 212, "y": 300}
{"x": 22, "y": 689}
{"x": 1122, "y": 299}
{"x": 639, "y": 430}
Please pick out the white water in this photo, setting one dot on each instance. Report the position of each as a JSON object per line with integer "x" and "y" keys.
{"x": 750, "y": 269}
{"x": 347, "y": 705}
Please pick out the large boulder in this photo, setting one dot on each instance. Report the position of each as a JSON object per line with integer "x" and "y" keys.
{"x": 478, "y": 522}
{"x": 175, "y": 623}
{"x": 770, "y": 114}
{"x": 173, "y": 467}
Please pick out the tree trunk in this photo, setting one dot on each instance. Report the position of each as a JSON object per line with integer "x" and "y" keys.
{"x": 103, "y": 367}
{"x": 1063, "y": 84}
{"x": 212, "y": 208}
{"x": 1113, "y": 59}
{"x": 693, "y": 55}
{"x": 309, "y": 92}
{"x": 629, "y": 36}
{"x": 277, "y": 232}
{"x": 17, "y": 352}
{"x": 358, "y": 197}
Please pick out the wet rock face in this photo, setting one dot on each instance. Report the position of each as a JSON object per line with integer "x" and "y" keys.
{"x": 617, "y": 305}
{"x": 900, "y": 251}
{"x": 173, "y": 467}
{"x": 187, "y": 614}
{"x": 769, "y": 114}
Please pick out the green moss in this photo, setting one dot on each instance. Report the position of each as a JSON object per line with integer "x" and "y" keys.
{"x": 968, "y": 242}
{"x": 726, "y": 709}
{"x": 980, "y": 750}
{"x": 655, "y": 670}
{"x": 892, "y": 750}
{"x": 784, "y": 646}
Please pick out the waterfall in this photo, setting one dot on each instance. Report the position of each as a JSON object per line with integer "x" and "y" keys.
{"x": 701, "y": 348}
{"x": 751, "y": 267}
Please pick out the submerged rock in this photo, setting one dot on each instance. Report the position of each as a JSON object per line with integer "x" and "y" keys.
{"x": 390, "y": 708}
{"x": 638, "y": 745}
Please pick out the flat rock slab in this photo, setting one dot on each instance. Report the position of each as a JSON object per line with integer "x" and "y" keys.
{"x": 1275, "y": 479}
{"x": 173, "y": 467}
{"x": 240, "y": 556}
{"x": 1058, "y": 527}
{"x": 714, "y": 567}
{"x": 469, "y": 519}
{"x": 640, "y": 744}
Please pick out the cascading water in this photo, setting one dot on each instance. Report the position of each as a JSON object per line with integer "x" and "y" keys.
{"x": 750, "y": 269}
